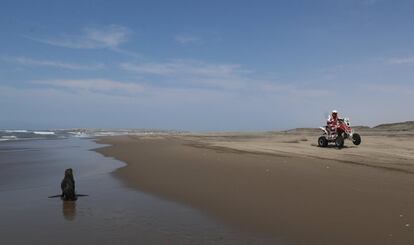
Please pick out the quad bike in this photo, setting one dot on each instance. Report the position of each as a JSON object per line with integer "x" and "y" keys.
{"x": 343, "y": 131}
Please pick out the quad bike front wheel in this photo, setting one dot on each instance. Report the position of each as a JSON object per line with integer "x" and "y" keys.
{"x": 339, "y": 141}
{"x": 322, "y": 141}
{"x": 356, "y": 139}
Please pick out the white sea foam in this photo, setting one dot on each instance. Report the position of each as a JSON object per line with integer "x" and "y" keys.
{"x": 43, "y": 132}
{"x": 8, "y": 137}
{"x": 16, "y": 131}
{"x": 11, "y": 137}
{"x": 80, "y": 134}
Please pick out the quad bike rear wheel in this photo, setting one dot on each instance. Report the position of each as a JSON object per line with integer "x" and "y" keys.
{"x": 356, "y": 139}
{"x": 339, "y": 141}
{"x": 322, "y": 141}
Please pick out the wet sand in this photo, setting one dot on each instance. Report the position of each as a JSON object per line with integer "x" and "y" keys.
{"x": 31, "y": 170}
{"x": 281, "y": 185}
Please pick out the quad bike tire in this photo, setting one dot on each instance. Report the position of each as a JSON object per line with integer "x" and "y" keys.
{"x": 356, "y": 139}
{"x": 339, "y": 141}
{"x": 322, "y": 142}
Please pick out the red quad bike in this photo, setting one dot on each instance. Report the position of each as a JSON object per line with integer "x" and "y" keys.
{"x": 343, "y": 131}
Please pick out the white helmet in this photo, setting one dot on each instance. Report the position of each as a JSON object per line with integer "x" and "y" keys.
{"x": 334, "y": 112}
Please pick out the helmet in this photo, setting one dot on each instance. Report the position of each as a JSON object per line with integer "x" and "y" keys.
{"x": 334, "y": 113}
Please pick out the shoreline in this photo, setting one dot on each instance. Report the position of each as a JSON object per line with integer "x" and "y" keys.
{"x": 111, "y": 214}
{"x": 297, "y": 198}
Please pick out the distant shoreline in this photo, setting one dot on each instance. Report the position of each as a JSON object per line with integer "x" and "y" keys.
{"x": 403, "y": 127}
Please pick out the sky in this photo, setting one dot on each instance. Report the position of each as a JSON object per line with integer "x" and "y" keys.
{"x": 205, "y": 65}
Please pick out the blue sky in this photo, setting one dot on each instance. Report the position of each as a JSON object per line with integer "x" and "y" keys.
{"x": 205, "y": 65}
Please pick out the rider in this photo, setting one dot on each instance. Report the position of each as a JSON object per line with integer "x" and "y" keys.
{"x": 332, "y": 122}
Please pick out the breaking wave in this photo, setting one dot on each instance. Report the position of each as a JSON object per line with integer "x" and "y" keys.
{"x": 24, "y": 134}
{"x": 44, "y": 132}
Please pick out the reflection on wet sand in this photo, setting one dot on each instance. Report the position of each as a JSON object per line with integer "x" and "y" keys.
{"x": 127, "y": 217}
{"x": 69, "y": 210}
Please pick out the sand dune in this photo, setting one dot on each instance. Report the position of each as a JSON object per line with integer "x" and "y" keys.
{"x": 400, "y": 126}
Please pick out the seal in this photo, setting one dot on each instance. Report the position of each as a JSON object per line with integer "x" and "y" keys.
{"x": 68, "y": 186}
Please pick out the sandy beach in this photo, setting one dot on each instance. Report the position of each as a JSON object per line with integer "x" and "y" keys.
{"x": 281, "y": 184}
{"x": 31, "y": 170}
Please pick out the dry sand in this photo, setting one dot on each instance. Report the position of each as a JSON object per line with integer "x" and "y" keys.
{"x": 281, "y": 183}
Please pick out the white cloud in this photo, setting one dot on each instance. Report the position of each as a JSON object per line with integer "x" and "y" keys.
{"x": 186, "y": 39}
{"x": 190, "y": 72}
{"x": 401, "y": 60}
{"x": 392, "y": 89}
{"x": 111, "y": 36}
{"x": 294, "y": 91}
{"x": 185, "y": 67}
{"x": 229, "y": 77}
{"x": 259, "y": 104}
{"x": 95, "y": 86}
{"x": 53, "y": 63}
